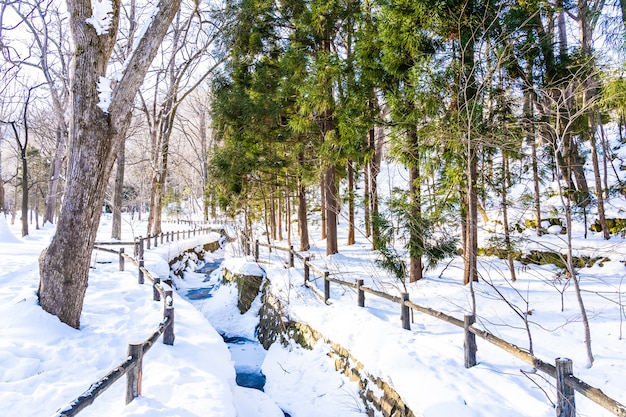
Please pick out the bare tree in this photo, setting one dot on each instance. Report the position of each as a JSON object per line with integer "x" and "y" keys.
{"x": 183, "y": 67}
{"x": 46, "y": 50}
{"x": 100, "y": 114}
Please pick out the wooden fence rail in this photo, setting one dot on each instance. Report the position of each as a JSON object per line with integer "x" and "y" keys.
{"x": 132, "y": 365}
{"x": 562, "y": 371}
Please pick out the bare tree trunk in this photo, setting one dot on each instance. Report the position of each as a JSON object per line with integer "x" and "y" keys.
{"x": 279, "y": 216}
{"x": 93, "y": 143}
{"x": 323, "y": 204}
{"x": 331, "y": 211}
{"x": 375, "y": 169}
{"x": 351, "y": 240}
{"x": 416, "y": 232}
{"x": 303, "y": 228}
{"x": 471, "y": 247}
{"x": 272, "y": 224}
{"x": 55, "y": 174}
{"x": 505, "y": 215}
{"x": 118, "y": 192}
{"x": 366, "y": 200}
{"x": 527, "y": 109}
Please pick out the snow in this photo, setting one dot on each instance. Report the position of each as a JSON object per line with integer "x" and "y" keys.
{"x": 104, "y": 93}
{"x": 101, "y": 16}
{"x": 44, "y": 364}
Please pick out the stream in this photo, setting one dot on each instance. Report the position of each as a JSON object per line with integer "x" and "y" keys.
{"x": 246, "y": 353}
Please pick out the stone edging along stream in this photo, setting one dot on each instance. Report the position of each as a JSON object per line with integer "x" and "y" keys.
{"x": 375, "y": 393}
{"x": 274, "y": 326}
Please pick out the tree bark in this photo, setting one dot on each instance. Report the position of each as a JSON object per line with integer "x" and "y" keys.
{"x": 416, "y": 231}
{"x": 303, "y": 228}
{"x": 94, "y": 138}
{"x": 54, "y": 180}
{"x": 351, "y": 240}
{"x": 331, "y": 211}
{"x": 118, "y": 193}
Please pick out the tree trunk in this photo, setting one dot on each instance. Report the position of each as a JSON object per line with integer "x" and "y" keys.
{"x": 351, "y": 240}
{"x": 94, "y": 138}
{"x": 303, "y": 228}
{"x": 331, "y": 211}
{"x": 416, "y": 232}
{"x": 273, "y": 216}
{"x": 366, "y": 200}
{"x": 118, "y": 193}
{"x": 505, "y": 215}
{"x": 471, "y": 248}
{"x": 527, "y": 109}
{"x": 24, "y": 194}
{"x": 55, "y": 174}
{"x": 375, "y": 169}
{"x": 323, "y": 204}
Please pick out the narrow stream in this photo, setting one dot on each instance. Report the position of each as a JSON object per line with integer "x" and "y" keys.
{"x": 247, "y": 354}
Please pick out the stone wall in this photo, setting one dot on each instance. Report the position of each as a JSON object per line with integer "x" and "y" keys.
{"x": 375, "y": 393}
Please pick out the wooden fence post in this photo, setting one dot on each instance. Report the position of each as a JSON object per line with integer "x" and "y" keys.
{"x": 148, "y": 242}
{"x": 306, "y": 270}
{"x": 156, "y": 240}
{"x": 405, "y": 316}
{"x": 168, "y": 311}
{"x": 326, "y": 287}
{"x": 470, "y": 341}
{"x": 565, "y": 405}
{"x": 121, "y": 258}
{"x": 162, "y": 237}
{"x": 290, "y": 256}
{"x": 134, "y": 374}
{"x": 156, "y": 295}
{"x": 359, "y": 284}
{"x": 140, "y": 256}
{"x": 256, "y": 250}
{"x": 178, "y": 235}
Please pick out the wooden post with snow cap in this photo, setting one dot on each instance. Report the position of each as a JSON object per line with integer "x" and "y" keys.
{"x": 361, "y": 298}
{"x": 121, "y": 259}
{"x": 405, "y": 316}
{"x": 162, "y": 234}
{"x": 326, "y": 287}
{"x": 140, "y": 256}
{"x": 135, "y": 372}
{"x": 469, "y": 343}
{"x": 565, "y": 405}
{"x": 168, "y": 312}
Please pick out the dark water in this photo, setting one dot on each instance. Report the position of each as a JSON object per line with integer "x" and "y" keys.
{"x": 209, "y": 267}
{"x": 199, "y": 293}
{"x": 248, "y": 356}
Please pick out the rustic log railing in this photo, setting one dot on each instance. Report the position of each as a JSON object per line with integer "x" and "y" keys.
{"x": 562, "y": 371}
{"x": 132, "y": 365}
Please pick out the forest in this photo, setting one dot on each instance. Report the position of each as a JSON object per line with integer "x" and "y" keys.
{"x": 275, "y": 113}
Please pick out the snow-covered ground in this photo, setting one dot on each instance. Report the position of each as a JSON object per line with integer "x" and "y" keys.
{"x": 45, "y": 364}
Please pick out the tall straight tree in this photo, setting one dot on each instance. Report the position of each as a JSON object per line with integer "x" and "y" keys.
{"x": 98, "y": 122}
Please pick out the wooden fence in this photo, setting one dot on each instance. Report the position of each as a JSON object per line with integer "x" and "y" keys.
{"x": 132, "y": 365}
{"x": 562, "y": 371}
